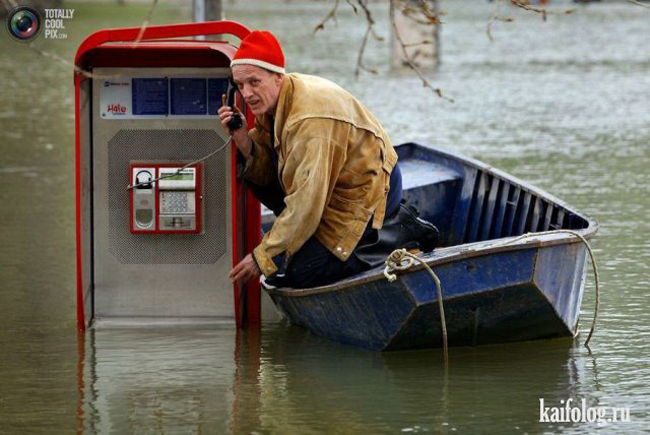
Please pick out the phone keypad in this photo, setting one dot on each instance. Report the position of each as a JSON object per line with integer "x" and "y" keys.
{"x": 174, "y": 202}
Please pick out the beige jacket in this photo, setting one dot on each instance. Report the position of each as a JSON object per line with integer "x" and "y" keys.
{"x": 334, "y": 165}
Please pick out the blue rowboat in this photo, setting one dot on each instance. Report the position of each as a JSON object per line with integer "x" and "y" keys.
{"x": 497, "y": 287}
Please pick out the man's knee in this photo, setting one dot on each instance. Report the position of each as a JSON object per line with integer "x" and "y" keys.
{"x": 313, "y": 265}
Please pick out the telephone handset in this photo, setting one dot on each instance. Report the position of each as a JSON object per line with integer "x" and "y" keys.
{"x": 235, "y": 122}
{"x": 166, "y": 198}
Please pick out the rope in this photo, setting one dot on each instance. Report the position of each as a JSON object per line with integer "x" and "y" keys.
{"x": 593, "y": 264}
{"x": 145, "y": 23}
{"x": 401, "y": 260}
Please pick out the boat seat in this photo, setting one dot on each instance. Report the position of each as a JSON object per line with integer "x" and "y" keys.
{"x": 433, "y": 189}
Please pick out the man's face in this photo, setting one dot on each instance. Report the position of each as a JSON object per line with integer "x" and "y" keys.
{"x": 259, "y": 87}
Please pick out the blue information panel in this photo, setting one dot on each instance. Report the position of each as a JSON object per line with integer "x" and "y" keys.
{"x": 150, "y": 96}
{"x": 189, "y": 96}
{"x": 216, "y": 88}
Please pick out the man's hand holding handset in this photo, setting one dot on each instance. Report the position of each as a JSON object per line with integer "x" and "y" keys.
{"x": 238, "y": 129}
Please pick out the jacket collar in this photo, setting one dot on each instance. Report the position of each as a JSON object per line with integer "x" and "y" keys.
{"x": 281, "y": 111}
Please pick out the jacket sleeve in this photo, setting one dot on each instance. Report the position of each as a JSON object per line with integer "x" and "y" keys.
{"x": 313, "y": 162}
{"x": 258, "y": 166}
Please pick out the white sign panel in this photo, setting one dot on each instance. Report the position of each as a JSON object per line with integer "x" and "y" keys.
{"x": 115, "y": 99}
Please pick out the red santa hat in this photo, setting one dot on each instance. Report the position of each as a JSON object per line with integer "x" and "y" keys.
{"x": 260, "y": 48}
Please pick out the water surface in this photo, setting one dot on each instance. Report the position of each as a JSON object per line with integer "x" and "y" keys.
{"x": 562, "y": 104}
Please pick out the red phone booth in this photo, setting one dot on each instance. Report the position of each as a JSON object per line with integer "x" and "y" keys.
{"x": 160, "y": 251}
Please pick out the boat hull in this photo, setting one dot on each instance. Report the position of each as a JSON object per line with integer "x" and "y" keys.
{"x": 511, "y": 266}
{"x": 512, "y": 295}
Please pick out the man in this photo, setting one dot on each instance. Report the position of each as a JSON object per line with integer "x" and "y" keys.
{"x": 326, "y": 168}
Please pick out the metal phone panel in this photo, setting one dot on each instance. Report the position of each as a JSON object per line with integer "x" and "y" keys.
{"x": 160, "y": 275}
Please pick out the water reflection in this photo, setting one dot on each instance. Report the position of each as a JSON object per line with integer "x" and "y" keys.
{"x": 283, "y": 379}
{"x": 156, "y": 379}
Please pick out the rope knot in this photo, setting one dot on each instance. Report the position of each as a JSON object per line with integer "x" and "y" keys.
{"x": 400, "y": 260}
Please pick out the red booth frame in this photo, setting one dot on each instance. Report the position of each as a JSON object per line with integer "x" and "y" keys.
{"x": 106, "y": 48}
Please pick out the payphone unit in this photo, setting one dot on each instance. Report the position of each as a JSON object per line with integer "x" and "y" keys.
{"x": 170, "y": 204}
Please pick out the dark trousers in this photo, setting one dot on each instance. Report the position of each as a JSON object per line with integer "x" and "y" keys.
{"x": 313, "y": 265}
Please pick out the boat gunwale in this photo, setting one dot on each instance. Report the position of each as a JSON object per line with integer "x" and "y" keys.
{"x": 471, "y": 250}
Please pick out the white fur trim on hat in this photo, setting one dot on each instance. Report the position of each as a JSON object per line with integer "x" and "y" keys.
{"x": 260, "y": 63}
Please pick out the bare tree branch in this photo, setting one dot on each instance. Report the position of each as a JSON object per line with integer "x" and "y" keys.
{"x": 431, "y": 18}
{"x": 369, "y": 31}
{"x": 417, "y": 44}
{"x": 409, "y": 61}
{"x": 354, "y": 8}
{"x": 634, "y": 2}
{"x": 360, "y": 66}
{"x": 331, "y": 15}
{"x": 541, "y": 11}
{"x": 364, "y": 7}
{"x": 521, "y": 5}
{"x": 495, "y": 17}
{"x": 413, "y": 14}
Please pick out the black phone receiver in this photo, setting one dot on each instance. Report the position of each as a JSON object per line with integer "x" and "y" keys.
{"x": 235, "y": 122}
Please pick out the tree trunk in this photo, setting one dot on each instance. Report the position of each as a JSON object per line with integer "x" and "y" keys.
{"x": 207, "y": 10}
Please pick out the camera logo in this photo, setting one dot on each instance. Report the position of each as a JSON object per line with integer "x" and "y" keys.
{"x": 24, "y": 23}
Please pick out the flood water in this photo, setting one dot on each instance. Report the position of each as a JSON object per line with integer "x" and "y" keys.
{"x": 562, "y": 104}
